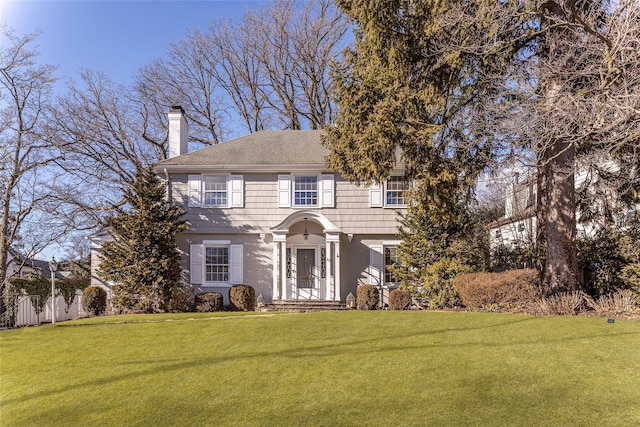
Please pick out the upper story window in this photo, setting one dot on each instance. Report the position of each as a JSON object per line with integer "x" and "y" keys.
{"x": 215, "y": 190}
{"x": 391, "y": 194}
{"x": 305, "y": 192}
{"x": 394, "y": 191}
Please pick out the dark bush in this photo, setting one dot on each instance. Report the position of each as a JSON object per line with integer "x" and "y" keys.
{"x": 399, "y": 299}
{"x": 94, "y": 300}
{"x": 513, "y": 289}
{"x": 206, "y": 302}
{"x": 368, "y": 297}
{"x": 242, "y": 298}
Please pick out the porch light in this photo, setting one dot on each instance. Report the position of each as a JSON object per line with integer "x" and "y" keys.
{"x": 53, "y": 267}
{"x": 305, "y": 235}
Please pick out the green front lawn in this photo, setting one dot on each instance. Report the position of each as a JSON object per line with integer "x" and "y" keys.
{"x": 322, "y": 369}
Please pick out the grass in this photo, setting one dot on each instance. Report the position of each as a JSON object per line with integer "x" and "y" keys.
{"x": 322, "y": 369}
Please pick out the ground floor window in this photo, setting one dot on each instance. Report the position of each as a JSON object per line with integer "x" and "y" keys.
{"x": 217, "y": 264}
{"x": 391, "y": 258}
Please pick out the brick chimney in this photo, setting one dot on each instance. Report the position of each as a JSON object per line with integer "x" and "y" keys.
{"x": 178, "y": 132}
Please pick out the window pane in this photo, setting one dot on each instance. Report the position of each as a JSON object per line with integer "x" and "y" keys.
{"x": 391, "y": 258}
{"x": 215, "y": 190}
{"x": 396, "y": 185}
{"x": 306, "y": 191}
{"x": 217, "y": 264}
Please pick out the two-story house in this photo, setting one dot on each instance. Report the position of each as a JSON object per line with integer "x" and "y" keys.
{"x": 265, "y": 211}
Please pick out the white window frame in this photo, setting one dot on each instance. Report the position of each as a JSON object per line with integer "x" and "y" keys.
{"x": 221, "y": 180}
{"x": 386, "y": 272}
{"x": 234, "y": 191}
{"x": 205, "y": 265}
{"x": 324, "y": 191}
{"x": 199, "y": 263}
{"x": 294, "y": 191}
{"x": 387, "y": 192}
{"x": 378, "y": 194}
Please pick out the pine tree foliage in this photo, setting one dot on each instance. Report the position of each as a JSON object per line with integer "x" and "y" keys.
{"x": 143, "y": 259}
{"x": 448, "y": 88}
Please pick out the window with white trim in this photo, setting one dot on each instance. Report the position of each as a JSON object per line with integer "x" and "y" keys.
{"x": 301, "y": 191}
{"x": 305, "y": 191}
{"x": 216, "y": 264}
{"x": 391, "y": 258}
{"x": 215, "y": 190}
{"x": 391, "y": 194}
{"x": 395, "y": 187}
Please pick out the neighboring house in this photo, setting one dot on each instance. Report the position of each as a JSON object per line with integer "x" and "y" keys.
{"x": 518, "y": 226}
{"x": 265, "y": 211}
{"x": 19, "y": 266}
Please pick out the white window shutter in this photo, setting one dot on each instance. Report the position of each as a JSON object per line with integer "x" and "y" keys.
{"x": 284, "y": 191}
{"x": 235, "y": 264}
{"x": 375, "y": 195}
{"x": 195, "y": 193}
{"x": 236, "y": 191}
{"x": 195, "y": 257}
{"x": 376, "y": 265}
{"x": 327, "y": 195}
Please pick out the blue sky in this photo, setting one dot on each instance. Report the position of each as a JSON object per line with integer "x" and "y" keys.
{"x": 114, "y": 36}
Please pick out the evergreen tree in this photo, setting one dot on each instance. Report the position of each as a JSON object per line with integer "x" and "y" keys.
{"x": 143, "y": 259}
{"x": 435, "y": 249}
{"x": 450, "y": 88}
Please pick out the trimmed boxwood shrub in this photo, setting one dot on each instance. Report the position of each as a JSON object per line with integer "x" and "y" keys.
{"x": 513, "y": 289}
{"x": 399, "y": 299}
{"x": 206, "y": 302}
{"x": 368, "y": 297}
{"x": 94, "y": 300}
{"x": 242, "y": 298}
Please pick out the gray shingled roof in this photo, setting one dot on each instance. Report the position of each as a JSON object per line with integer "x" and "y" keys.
{"x": 268, "y": 147}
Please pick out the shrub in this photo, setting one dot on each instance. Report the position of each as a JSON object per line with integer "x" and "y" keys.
{"x": 94, "y": 300}
{"x": 439, "y": 288}
{"x": 513, "y": 289}
{"x": 242, "y": 298}
{"x": 564, "y": 304}
{"x": 399, "y": 299}
{"x": 369, "y": 296}
{"x": 618, "y": 304}
{"x": 206, "y": 302}
{"x": 38, "y": 288}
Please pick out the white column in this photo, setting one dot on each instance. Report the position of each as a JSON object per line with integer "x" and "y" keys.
{"x": 337, "y": 269}
{"x": 275, "y": 260}
{"x": 329, "y": 291}
{"x": 283, "y": 270}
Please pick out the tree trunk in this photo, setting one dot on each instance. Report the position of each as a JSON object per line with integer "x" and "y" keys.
{"x": 556, "y": 219}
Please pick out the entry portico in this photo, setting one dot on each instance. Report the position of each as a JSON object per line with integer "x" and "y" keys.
{"x": 306, "y": 258}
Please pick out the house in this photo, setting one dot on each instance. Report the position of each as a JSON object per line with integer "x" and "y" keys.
{"x": 518, "y": 226}
{"x": 264, "y": 210}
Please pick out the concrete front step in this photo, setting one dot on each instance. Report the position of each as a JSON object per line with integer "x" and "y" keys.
{"x": 305, "y": 305}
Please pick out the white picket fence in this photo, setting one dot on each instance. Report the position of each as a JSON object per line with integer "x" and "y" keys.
{"x": 26, "y": 315}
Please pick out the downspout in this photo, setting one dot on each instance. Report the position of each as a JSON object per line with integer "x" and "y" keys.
{"x": 168, "y": 190}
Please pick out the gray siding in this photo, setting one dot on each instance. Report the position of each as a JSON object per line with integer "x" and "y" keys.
{"x": 260, "y": 213}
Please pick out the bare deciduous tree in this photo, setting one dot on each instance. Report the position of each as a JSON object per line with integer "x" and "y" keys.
{"x": 26, "y": 151}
